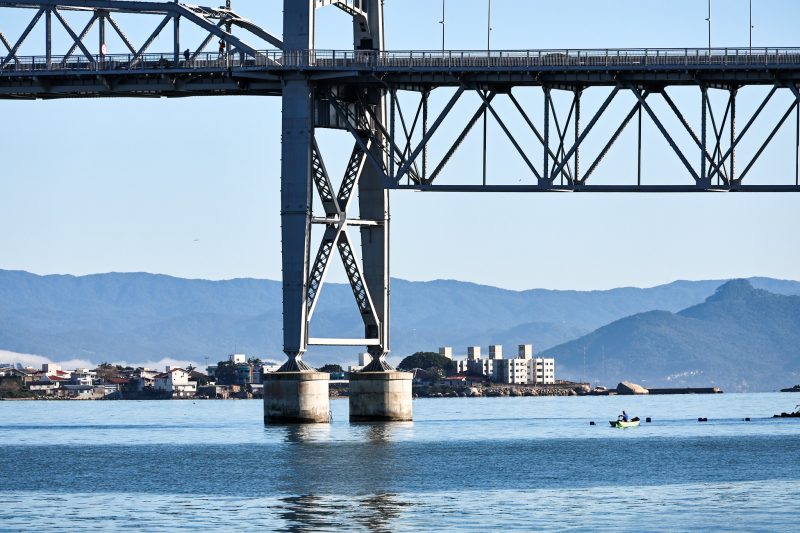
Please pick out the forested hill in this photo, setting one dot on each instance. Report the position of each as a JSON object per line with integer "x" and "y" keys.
{"x": 740, "y": 339}
{"x": 139, "y": 317}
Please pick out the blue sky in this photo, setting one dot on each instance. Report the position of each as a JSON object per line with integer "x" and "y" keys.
{"x": 190, "y": 187}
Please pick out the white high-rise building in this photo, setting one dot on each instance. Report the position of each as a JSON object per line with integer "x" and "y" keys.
{"x": 511, "y": 371}
{"x": 364, "y": 359}
{"x": 525, "y": 351}
{"x": 446, "y": 351}
{"x": 541, "y": 371}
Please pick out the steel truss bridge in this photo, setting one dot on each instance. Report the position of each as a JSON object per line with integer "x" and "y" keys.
{"x": 383, "y": 100}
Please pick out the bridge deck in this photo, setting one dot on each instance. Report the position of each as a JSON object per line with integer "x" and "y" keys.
{"x": 210, "y": 73}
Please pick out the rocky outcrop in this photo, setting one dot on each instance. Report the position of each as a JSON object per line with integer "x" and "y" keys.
{"x": 496, "y": 391}
{"x": 628, "y": 388}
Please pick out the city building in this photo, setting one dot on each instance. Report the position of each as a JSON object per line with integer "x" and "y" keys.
{"x": 511, "y": 371}
{"x": 45, "y": 385}
{"x": 541, "y": 371}
{"x": 237, "y": 358}
{"x": 83, "y": 376}
{"x": 363, "y": 360}
{"x": 525, "y": 368}
{"x": 485, "y": 367}
{"x": 473, "y": 355}
{"x": 143, "y": 378}
{"x": 175, "y": 381}
{"x": 446, "y": 351}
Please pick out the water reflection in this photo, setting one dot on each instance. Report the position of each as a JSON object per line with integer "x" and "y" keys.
{"x": 382, "y": 432}
{"x": 308, "y": 513}
{"x": 378, "y": 512}
{"x": 299, "y": 433}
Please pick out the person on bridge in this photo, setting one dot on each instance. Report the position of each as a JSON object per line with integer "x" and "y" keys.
{"x": 186, "y": 55}
{"x": 221, "y": 48}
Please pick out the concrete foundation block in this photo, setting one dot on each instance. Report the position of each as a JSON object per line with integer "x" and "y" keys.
{"x": 380, "y": 396}
{"x": 296, "y": 398}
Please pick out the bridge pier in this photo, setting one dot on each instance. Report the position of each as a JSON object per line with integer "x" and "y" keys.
{"x": 296, "y": 393}
{"x": 383, "y": 396}
{"x": 296, "y": 398}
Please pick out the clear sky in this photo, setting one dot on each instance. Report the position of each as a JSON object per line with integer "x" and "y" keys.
{"x": 190, "y": 187}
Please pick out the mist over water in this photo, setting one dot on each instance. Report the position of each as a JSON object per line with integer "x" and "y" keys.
{"x": 516, "y": 463}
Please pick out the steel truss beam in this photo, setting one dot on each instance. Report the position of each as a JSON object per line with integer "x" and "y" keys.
{"x": 563, "y": 160}
{"x": 393, "y": 152}
{"x": 217, "y": 22}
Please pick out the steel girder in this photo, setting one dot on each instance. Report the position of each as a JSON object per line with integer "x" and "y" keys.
{"x": 392, "y": 147}
{"x": 217, "y": 22}
{"x": 554, "y": 159}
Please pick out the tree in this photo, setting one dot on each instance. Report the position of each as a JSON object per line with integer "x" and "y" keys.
{"x": 430, "y": 361}
{"x": 331, "y": 369}
{"x": 226, "y": 373}
{"x": 107, "y": 371}
{"x": 255, "y": 361}
{"x": 199, "y": 377}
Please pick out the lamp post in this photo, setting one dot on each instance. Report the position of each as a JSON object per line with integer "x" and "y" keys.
{"x": 488, "y": 61}
{"x": 751, "y": 26}
{"x": 709, "y": 26}
{"x": 442, "y": 23}
{"x": 489, "y": 28}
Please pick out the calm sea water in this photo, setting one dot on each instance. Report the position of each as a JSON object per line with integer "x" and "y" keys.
{"x": 463, "y": 464}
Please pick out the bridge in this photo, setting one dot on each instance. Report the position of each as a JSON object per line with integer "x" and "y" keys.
{"x": 383, "y": 100}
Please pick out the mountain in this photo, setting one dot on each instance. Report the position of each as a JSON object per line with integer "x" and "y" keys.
{"x": 137, "y": 317}
{"x": 740, "y": 339}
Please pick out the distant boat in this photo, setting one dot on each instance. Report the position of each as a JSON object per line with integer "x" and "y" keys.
{"x": 632, "y": 423}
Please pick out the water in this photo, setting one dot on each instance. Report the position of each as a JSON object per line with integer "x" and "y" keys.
{"x": 463, "y": 464}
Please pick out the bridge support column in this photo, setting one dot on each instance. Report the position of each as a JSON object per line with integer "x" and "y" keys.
{"x": 296, "y": 393}
{"x": 378, "y": 392}
{"x": 380, "y": 396}
{"x": 296, "y": 398}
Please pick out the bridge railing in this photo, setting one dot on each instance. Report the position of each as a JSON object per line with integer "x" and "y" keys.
{"x": 75, "y": 62}
{"x": 415, "y": 59}
{"x": 527, "y": 59}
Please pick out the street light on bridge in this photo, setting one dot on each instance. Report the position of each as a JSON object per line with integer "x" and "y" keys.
{"x": 442, "y": 23}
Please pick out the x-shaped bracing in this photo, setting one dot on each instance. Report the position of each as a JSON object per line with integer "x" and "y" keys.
{"x": 336, "y": 206}
{"x": 216, "y": 21}
{"x": 563, "y": 161}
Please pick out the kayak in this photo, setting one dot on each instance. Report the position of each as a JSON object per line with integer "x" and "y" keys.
{"x": 621, "y": 424}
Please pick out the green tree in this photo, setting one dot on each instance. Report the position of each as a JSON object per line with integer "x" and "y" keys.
{"x": 12, "y": 387}
{"x": 226, "y": 373}
{"x": 107, "y": 371}
{"x": 429, "y": 361}
{"x": 199, "y": 377}
{"x": 330, "y": 368}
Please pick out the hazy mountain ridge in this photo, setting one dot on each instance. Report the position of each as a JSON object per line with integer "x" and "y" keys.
{"x": 137, "y": 316}
{"x": 740, "y": 339}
